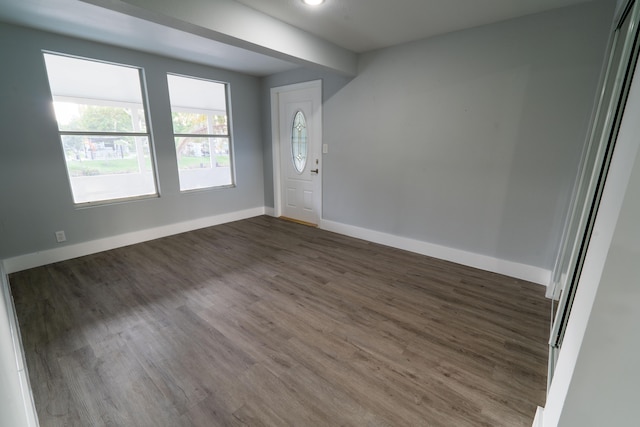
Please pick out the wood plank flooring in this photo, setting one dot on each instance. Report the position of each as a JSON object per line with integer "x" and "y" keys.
{"x": 264, "y": 322}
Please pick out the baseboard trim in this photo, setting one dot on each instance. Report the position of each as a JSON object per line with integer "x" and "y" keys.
{"x": 482, "y": 262}
{"x": 24, "y": 262}
{"x": 537, "y": 420}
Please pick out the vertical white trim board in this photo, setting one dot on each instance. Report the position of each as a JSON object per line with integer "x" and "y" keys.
{"x": 62, "y": 253}
{"x": 470, "y": 259}
{"x": 26, "y": 395}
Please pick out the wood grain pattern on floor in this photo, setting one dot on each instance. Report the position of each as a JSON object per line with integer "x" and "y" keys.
{"x": 264, "y": 322}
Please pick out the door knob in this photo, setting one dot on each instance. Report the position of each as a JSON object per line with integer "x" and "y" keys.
{"x": 314, "y": 170}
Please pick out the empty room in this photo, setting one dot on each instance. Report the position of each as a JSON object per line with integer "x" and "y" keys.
{"x": 319, "y": 213}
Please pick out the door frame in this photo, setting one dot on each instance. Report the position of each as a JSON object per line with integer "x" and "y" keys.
{"x": 275, "y": 143}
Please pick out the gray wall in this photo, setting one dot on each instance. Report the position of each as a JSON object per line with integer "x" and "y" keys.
{"x": 35, "y": 194}
{"x": 470, "y": 140}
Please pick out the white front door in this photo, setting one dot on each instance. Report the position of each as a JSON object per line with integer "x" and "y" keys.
{"x": 297, "y": 151}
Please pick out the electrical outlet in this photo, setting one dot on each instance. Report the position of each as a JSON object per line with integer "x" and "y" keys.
{"x": 60, "y": 236}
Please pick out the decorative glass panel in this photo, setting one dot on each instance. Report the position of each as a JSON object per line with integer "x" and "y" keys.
{"x": 299, "y": 142}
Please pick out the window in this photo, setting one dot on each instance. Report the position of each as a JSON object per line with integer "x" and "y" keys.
{"x": 103, "y": 128}
{"x": 201, "y": 132}
{"x": 299, "y": 142}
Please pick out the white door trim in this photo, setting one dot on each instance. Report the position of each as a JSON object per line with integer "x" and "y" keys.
{"x": 275, "y": 141}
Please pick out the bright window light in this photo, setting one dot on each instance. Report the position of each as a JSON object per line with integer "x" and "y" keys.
{"x": 103, "y": 129}
{"x": 313, "y": 2}
{"x": 201, "y": 132}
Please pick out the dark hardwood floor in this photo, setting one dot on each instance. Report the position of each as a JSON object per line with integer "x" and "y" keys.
{"x": 266, "y": 322}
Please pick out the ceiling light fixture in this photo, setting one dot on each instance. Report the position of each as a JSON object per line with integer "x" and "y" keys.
{"x": 313, "y": 2}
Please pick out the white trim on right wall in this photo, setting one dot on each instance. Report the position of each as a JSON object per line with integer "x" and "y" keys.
{"x": 470, "y": 259}
{"x": 613, "y": 197}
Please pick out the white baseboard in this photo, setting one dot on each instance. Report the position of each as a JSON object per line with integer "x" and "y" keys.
{"x": 62, "y": 253}
{"x": 23, "y": 262}
{"x": 537, "y": 420}
{"x": 482, "y": 262}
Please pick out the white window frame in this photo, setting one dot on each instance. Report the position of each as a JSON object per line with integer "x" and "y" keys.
{"x": 209, "y": 113}
{"x": 136, "y": 133}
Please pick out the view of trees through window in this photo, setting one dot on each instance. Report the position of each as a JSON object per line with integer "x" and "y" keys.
{"x": 201, "y": 132}
{"x": 191, "y": 150}
{"x": 103, "y": 130}
{"x": 106, "y": 140}
{"x": 90, "y": 155}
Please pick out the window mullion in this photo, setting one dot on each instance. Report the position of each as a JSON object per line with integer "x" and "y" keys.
{"x": 101, "y": 133}
{"x": 199, "y": 135}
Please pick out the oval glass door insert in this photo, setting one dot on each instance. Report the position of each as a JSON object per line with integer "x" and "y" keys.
{"x": 299, "y": 141}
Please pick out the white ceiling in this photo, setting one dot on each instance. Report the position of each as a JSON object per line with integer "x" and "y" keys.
{"x": 79, "y": 19}
{"x": 364, "y": 25}
{"x": 355, "y": 25}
